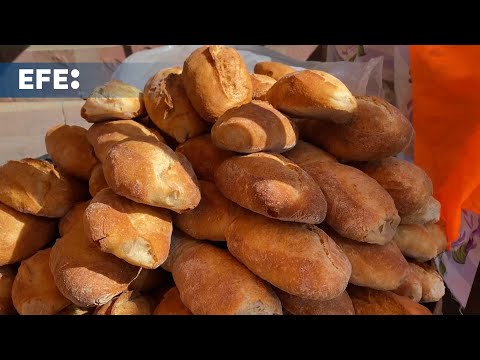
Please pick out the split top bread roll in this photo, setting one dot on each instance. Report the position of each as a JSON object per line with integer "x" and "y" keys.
{"x": 341, "y": 305}
{"x": 104, "y": 135}
{"x": 171, "y": 304}
{"x": 70, "y": 150}
{"x": 358, "y": 208}
{"x": 313, "y": 94}
{"x": 36, "y": 187}
{"x": 261, "y": 84}
{"x": 97, "y": 181}
{"x": 411, "y": 287}
{"x": 170, "y": 110}
{"x": 112, "y": 101}
{"x": 7, "y": 275}
{"x": 216, "y": 79}
{"x": 22, "y": 235}
{"x": 433, "y": 288}
{"x": 421, "y": 242}
{"x": 271, "y": 185}
{"x": 212, "y": 282}
{"x": 34, "y": 291}
{"x": 137, "y": 233}
{"x": 204, "y": 156}
{"x": 149, "y": 172}
{"x": 299, "y": 259}
{"x": 272, "y": 69}
{"x": 254, "y": 127}
{"x": 378, "y": 130}
{"x": 128, "y": 303}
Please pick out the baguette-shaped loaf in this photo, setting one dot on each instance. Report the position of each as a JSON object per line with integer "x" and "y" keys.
{"x": 171, "y": 304}
{"x": 128, "y": 303}
{"x": 433, "y": 287}
{"x": 97, "y": 181}
{"x": 341, "y": 305}
{"x": 429, "y": 213}
{"x": 7, "y": 275}
{"x": 261, "y": 84}
{"x": 420, "y": 242}
{"x": 272, "y": 69}
{"x": 411, "y": 287}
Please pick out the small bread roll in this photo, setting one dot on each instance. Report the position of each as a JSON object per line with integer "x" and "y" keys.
{"x": 22, "y": 235}
{"x": 34, "y": 292}
{"x": 104, "y": 135}
{"x": 313, "y": 94}
{"x": 113, "y": 101}
{"x": 272, "y": 69}
{"x": 433, "y": 287}
{"x": 297, "y": 258}
{"x": 73, "y": 309}
{"x": 128, "y": 303}
{"x": 97, "y": 181}
{"x": 7, "y": 275}
{"x": 137, "y": 233}
{"x": 151, "y": 173}
{"x": 170, "y": 110}
{"x": 380, "y": 267}
{"x": 411, "y": 287}
{"x": 375, "y": 302}
{"x": 204, "y": 156}
{"x": 171, "y": 304}
{"x": 418, "y": 242}
{"x": 261, "y": 84}
{"x": 216, "y": 79}
{"x": 70, "y": 150}
{"x": 358, "y": 208}
{"x": 254, "y": 127}
{"x": 210, "y": 219}
{"x": 271, "y": 185}
{"x": 167, "y": 71}
{"x": 212, "y": 282}
{"x": 73, "y": 219}
{"x": 428, "y": 214}
{"x": 341, "y": 305}
{"x": 36, "y": 187}
{"x": 149, "y": 279}
{"x": 378, "y": 130}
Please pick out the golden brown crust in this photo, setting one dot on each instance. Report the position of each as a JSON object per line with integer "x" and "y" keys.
{"x": 167, "y": 71}
{"x": 418, "y": 242}
{"x": 36, "y": 187}
{"x": 149, "y": 279}
{"x": 341, "y": 305}
{"x": 171, "y": 304}
{"x": 254, "y": 127}
{"x": 170, "y": 110}
{"x": 128, "y": 303}
{"x": 97, "y": 181}
{"x": 151, "y": 173}
{"x": 34, "y": 291}
{"x": 73, "y": 309}
{"x": 216, "y": 79}
{"x": 204, "y": 156}
{"x": 378, "y": 130}
{"x": 439, "y": 236}
{"x": 427, "y": 214}
{"x": 73, "y": 219}
{"x": 7, "y": 276}
{"x": 104, "y": 135}
{"x": 137, "y": 233}
{"x": 313, "y": 94}
{"x": 272, "y": 69}
{"x": 22, "y": 235}
{"x": 297, "y": 258}
{"x": 261, "y": 84}
{"x": 70, "y": 150}
{"x": 411, "y": 287}
{"x": 271, "y": 185}
{"x": 433, "y": 287}
{"x": 113, "y": 101}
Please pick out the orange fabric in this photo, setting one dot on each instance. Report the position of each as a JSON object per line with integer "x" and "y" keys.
{"x": 446, "y": 118}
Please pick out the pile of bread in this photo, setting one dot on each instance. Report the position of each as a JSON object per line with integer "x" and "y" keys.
{"x": 217, "y": 191}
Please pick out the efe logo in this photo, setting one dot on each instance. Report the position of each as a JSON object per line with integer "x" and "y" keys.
{"x": 30, "y": 79}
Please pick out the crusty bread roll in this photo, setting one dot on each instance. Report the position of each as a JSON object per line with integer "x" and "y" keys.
{"x": 167, "y": 71}
{"x": 341, "y": 305}
{"x": 297, "y": 258}
{"x": 358, "y": 208}
{"x": 428, "y": 214}
{"x": 22, "y": 235}
{"x": 212, "y": 282}
{"x": 69, "y": 148}
{"x": 36, "y": 187}
{"x": 149, "y": 279}
{"x": 34, "y": 292}
{"x": 113, "y": 101}
{"x": 128, "y": 303}
{"x": 104, "y": 135}
{"x": 7, "y": 275}
{"x": 73, "y": 309}
{"x": 433, "y": 287}
{"x": 170, "y": 110}
{"x": 204, "y": 156}
{"x": 380, "y": 267}
{"x": 171, "y": 304}
{"x": 272, "y": 69}
{"x": 378, "y": 130}
{"x": 439, "y": 236}
{"x": 209, "y": 220}
{"x": 313, "y": 94}
{"x": 137, "y": 233}
{"x": 418, "y": 242}
{"x": 73, "y": 219}
{"x": 97, "y": 181}
{"x": 216, "y": 79}
{"x": 411, "y": 287}
{"x": 375, "y": 302}
{"x": 254, "y": 127}
{"x": 151, "y": 173}
{"x": 271, "y": 185}
{"x": 261, "y": 84}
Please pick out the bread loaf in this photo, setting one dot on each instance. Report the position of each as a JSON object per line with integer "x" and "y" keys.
{"x": 271, "y": 185}
{"x": 73, "y": 309}
{"x": 427, "y": 214}
{"x": 254, "y": 127}
{"x": 433, "y": 287}
{"x": 216, "y": 79}
{"x": 73, "y": 219}
{"x": 34, "y": 291}
{"x": 341, "y": 305}
{"x": 358, "y": 208}
{"x": 417, "y": 242}
{"x": 411, "y": 287}
{"x": 97, "y": 181}
{"x": 7, "y": 275}
{"x": 137, "y": 233}
{"x": 128, "y": 303}
{"x": 299, "y": 259}
{"x": 149, "y": 172}
{"x": 167, "y": 71}
{"x": 171, "y": 304}
{"x": 261, "y": 84}
{"x": 149, "y": 279}
{"x": 272, "y": 69}
{"x": 313, "y": 94}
